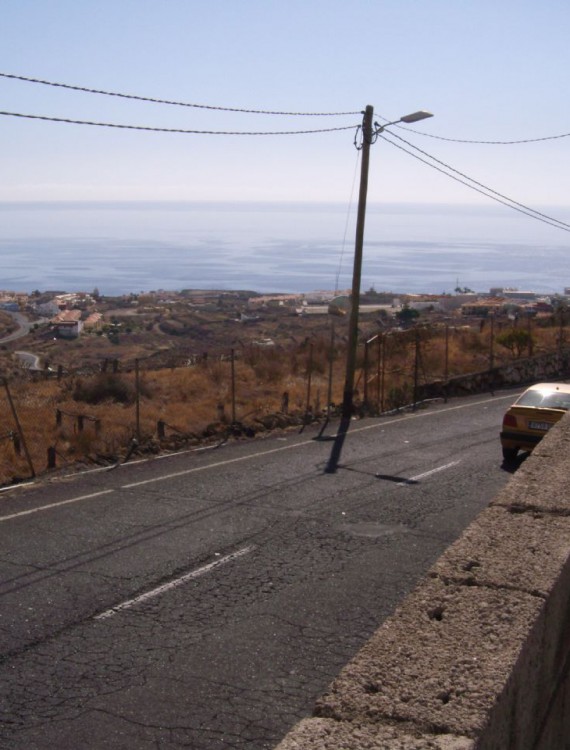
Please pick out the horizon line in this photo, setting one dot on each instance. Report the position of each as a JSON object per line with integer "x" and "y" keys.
{"x": 240, "y": 203}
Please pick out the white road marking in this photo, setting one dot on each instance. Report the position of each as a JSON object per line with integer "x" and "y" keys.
{"x": 429, "y": 473}
{"x": 55, "y": 505}
{"x": 215, "y": 465}
{"x": 12, "y": 487}
{"x": 251, "y": 456}
{"x": 165, "y": 477}
{"x": 173, "y": 584}
{"x": 424, "y": 414}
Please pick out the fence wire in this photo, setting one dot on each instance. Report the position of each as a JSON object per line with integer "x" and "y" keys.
{"x": 101, "y": 413}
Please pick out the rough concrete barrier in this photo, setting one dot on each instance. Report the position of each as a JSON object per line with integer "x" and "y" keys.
{"x": 477, "y": 656}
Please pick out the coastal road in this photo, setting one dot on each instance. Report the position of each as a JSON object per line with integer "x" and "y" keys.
{"x": 24, "y": 325}
{"x": 203, "y": 600}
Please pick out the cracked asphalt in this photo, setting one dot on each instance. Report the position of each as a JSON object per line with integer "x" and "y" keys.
{"x": 204, "y": 600}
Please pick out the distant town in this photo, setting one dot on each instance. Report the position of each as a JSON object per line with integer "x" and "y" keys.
{"x": 69, "y": 314}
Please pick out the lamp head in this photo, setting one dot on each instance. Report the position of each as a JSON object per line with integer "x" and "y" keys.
{"x": 416, "y": 116}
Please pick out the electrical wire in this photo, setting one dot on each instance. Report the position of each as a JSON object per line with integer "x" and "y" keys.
{"x": 172, "y": 130}
{"x": 467, "y": 181}
{"x": 348, "y": 212}
{"x": 102, "y": 92}
{"x": 492, "y": 143}
{"x": 84, "y": 89}
{"x": 484, "y": 143}
{"x": 525, "y": 210}
{"x": 480, "y": 184}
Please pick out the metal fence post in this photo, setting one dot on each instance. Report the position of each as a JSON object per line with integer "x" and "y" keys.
{"x": 365, "y": 384}
{"x": 51, "y": 457}
{"x": 233, "y": 374}
{"x": 137, "y": 402}
{"x": 309, "y": 376}
{"x": 331, "y": 360}
{"x": 19, "y": 428}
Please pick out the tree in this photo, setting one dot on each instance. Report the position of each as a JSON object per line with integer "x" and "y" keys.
{"x": 407, "y": 315}
{"x": 516, "y": 341}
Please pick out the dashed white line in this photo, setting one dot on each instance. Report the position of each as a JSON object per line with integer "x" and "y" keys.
{"x": 173, "y": 584}
{"x": 353, "y": 430}
{"x": 429, "y": 473}
{"x": 249, "y": 457}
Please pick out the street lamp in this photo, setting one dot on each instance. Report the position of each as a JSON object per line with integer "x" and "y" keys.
{"x": 370, "y": 133}
{"x": 421, "y": 114}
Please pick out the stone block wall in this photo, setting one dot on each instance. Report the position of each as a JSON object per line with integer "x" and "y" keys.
{"x": 477, "y": 657}
{"x": 542, "y": 368}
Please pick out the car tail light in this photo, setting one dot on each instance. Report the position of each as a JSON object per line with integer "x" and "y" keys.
{"x": 509, "y": 421}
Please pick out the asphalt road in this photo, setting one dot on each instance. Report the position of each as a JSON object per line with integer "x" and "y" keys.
{"x": 23, "y": 329}
{"x": 204, "y": 600}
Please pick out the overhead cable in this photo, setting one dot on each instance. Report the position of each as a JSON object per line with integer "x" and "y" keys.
{"x": 475, "y": 182}
{"x": 153, "y": 100}
{"x": 172, "y": 130}
{"x": 480, "y": 142}
{"x": 491, "y": 194}
{"x": 492, "y": 143}
{"x": 84, "y": 89}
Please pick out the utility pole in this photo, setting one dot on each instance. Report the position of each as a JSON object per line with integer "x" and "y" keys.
{"x": 367, "y": 135}
{"x": 370, "y": 132}
{"x": 352, "y": 345}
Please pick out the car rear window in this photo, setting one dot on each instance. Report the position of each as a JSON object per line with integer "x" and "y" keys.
{"x": 545, "y": 399}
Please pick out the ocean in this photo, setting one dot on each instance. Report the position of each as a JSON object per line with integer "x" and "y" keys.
{"x": 123, "y": 248}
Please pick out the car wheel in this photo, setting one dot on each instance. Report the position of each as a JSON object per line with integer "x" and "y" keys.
{"x": 509, "y": 454}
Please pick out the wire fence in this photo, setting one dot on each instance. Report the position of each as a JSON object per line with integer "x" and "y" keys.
{"x": 104, "y": 413}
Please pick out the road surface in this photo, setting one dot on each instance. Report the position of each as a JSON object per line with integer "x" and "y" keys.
{"x": 23, "y": 329}
{"x": 204, "y": 600}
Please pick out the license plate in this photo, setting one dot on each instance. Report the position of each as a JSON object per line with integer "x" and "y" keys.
{"x": 544, "y": 426}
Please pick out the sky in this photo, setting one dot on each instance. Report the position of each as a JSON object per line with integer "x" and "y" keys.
{"x": 489, "y": 70}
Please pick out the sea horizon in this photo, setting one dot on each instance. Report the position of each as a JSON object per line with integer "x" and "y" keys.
{"x": 124, "y": 247}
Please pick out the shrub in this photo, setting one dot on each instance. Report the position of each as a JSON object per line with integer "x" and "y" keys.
{"x": 104, "y": 387}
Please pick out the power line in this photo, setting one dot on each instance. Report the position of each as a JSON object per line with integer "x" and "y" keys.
{"x": 488, "y": 192}
{"x": 84, "y": 89}
{"x": 480, "y": 184}
{"x": 493, "y": 143}
{"x": 172, "y": 130}
{"x": 525, "y": 210}
{"x": 175, "y": 103}
{"x": 481, "y": 142}
{"x": 346, "y": 222}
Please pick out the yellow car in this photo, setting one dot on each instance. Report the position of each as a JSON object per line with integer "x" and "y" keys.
{"x": 532, "y": 415}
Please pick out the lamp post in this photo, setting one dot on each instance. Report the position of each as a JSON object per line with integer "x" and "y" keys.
{"x": 370, "y": 132}
{"x": 369, "y": 136}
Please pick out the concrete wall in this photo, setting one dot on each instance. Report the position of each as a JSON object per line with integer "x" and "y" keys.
{"x": 477, "y": 656}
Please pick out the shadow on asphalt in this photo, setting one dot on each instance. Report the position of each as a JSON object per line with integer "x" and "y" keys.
{"x": 512, "y": 466}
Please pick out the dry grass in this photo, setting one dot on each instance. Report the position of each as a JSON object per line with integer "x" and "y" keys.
{"x": 198, "y": 400}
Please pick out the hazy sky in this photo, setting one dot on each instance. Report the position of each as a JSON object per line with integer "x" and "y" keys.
{"x": 487, "y": 69}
